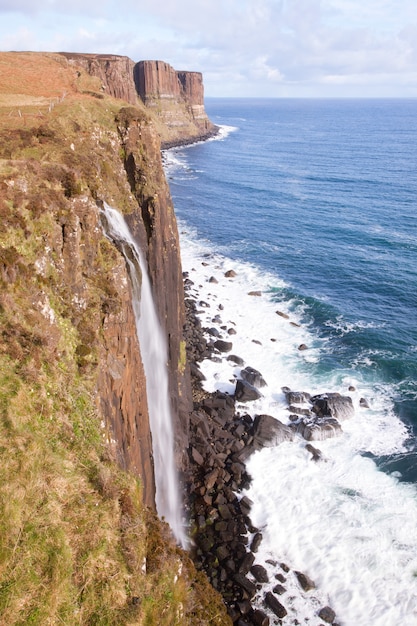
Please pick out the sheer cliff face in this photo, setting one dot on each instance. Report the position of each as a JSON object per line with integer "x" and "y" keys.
{"x": 58, "y": 164}
{"x": 78, "y": 546}
{"x": 176, "y": 97}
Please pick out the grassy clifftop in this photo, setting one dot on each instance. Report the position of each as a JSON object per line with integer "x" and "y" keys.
{"x": 77, "y": 544}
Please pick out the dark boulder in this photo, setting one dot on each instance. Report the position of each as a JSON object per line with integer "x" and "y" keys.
{"x": 256, "y": 542}
{"x": 223, "y": 346}
{"x": 327, "y": 615}
{"x": 214, "y": 332}
{"x": 319, "y": 429}
{"x": 268, "y": 432}
{"x": 305, "y": 581}
{"x": 235, "y": 359}
{"x": 260, "y": 618}
{"x": 275, "y": 605}
{"x": 296, "y": 397}
{"x": 196, "y": 372}
{"x": 246, "y": 563}
{"x": 245, "y": 392}
{"x": 259, "y": 573}
{"x": 253, "y": 377}
{"x": 333, "y": 405}
{"x": 245, "y": 584}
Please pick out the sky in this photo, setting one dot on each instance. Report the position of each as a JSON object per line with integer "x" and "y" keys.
{"x": 244, "y": 48}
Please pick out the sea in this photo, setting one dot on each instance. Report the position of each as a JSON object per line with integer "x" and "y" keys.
{"x": 313, "y": 205}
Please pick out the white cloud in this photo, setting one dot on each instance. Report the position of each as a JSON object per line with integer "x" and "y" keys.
{"x": 257, "y": 46}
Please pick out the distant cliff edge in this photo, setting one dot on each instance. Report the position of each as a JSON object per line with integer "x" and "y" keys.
{"x": 80, "y": 542}
{"x": 176, "y": 98}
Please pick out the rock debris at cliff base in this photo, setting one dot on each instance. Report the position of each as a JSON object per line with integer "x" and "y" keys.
{"x": 225, "y": 540}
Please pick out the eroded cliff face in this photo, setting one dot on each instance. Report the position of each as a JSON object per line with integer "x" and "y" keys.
{"x": 114, "y": 72}
{"x": 77, "y": 543}
{"x": 65, "y": 161}
{"x": 177, "y": 98}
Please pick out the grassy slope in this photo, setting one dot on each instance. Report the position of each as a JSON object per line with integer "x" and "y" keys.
{"x": 76, "y": 544}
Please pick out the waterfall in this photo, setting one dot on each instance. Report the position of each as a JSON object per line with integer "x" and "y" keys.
{"x": 154, "y": 356}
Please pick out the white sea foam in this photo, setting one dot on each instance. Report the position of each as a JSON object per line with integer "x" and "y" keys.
{"x": 349, "y": 526}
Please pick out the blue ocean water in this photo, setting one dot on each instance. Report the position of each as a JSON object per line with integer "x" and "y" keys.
{"x": 313, "y": 204}
{"x": 322, "y": 194}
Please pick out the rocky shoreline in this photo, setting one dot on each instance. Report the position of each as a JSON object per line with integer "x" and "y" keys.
{"x": 225, "y": 541}
{"x": 178, "y": 143}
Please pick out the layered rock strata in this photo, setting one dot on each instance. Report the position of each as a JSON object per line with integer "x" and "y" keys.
{"x": 176, "y": 99}
{"x": 167, "y": 92}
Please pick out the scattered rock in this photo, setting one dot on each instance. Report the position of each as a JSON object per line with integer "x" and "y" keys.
{"x": 223, "y": 346}
{"x": 197, "y": 457}
{"x": 259, "y": 573}
{"x": 281, "y": 314}
{"x": 316, "y": 454}
{"x": 333, "y": 405}
{"x": 255, "y": 293}
{"x": 245, "y": 392}
{"x": 296, "y": 397}
{"x": 256, "y": 542}
{"x": 246, "y": 584}
{"x": 253, "y": 377}
{"x": 319, "y": 429}
{"x": 236, "y": 359}
{"x": 364, "y": 403}
{"x": 268, "y": 432}
{"x": 230, "y": 274}
{"x": 327, "y": 615}
{"x": 260, "y": 618}
{"x": 302, "y": 346}
{"x": 306, "y": 583}
{"x": 275, "y": 605}
{"x": 212, "y": 279}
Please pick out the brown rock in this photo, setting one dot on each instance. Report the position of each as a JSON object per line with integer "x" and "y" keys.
{"x": 275, "y": 605}
{"x": 327, "y": 615}
{"x": 306, "y": 583}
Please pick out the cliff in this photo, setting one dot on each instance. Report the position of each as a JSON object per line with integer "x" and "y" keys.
{"x": 79, "y": 541}
{"x": 176, "y": 99}
{"x": 168, "y": 92}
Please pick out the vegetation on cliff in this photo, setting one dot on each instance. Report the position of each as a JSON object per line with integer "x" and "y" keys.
{"x": 77, "y": 543}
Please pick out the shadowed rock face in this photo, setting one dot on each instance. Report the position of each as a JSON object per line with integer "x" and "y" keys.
{"x": 158, "y": 80}
{"x": 115, "y": 73}
{"x": 156, "y": 231}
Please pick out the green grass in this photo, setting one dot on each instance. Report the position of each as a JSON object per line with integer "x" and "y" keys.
{"x": 77, "y": 546}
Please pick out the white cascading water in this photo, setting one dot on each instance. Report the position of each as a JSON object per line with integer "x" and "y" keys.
{"x": 154, "y": 356}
